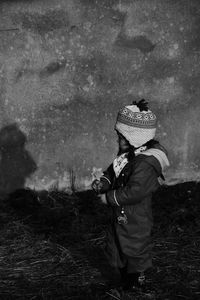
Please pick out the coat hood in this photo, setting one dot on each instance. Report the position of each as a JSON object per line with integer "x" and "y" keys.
{"x": 157, "y": 158}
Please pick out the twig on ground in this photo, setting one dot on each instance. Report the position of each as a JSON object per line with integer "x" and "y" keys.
{"x": 111, "y": 295}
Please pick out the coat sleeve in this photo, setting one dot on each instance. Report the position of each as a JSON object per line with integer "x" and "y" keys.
{"x": 142, "y": 183}
{"x": 107, "y": 179}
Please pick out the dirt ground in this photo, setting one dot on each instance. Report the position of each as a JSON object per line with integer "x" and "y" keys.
{"x": 52, "y": 246}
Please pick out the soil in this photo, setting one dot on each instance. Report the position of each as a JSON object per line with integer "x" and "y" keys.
{"x": 52, "y": 246}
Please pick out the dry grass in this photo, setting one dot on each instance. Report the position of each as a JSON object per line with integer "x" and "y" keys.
{"x": 53, "y": 249}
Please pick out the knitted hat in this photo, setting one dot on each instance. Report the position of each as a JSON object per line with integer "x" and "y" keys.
{"x": 136, "y": 123}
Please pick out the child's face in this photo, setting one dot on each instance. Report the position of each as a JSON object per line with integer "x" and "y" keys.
{"x": 123, "y": 143}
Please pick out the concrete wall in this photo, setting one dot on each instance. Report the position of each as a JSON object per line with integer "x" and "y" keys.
{"x": 67, "y": 66}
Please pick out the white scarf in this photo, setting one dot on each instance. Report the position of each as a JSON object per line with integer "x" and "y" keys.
{"x": 119, "y": 163}
{"x": 121, "y": 160}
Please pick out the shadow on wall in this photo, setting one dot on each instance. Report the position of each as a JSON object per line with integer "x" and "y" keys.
{"x": 16, "y": 164}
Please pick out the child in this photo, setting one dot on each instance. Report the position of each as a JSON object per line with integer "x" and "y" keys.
{"x": 127, "y": 186}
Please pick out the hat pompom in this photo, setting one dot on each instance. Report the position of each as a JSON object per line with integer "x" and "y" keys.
{"x": 142, "y": 105}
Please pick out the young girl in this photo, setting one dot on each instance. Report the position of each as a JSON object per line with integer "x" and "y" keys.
{"x": 127, "y": 186}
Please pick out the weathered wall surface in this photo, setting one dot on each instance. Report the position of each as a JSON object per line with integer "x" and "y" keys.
{"x": 67, "y": 66}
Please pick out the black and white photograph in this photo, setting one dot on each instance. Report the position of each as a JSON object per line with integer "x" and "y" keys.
{"x": 99, "y": 149}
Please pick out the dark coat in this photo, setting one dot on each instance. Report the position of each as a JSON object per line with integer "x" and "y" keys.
{"x": 129, "y": 243}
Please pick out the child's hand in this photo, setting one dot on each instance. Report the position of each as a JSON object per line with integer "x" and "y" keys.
{"x": 103, "y": 198}
{"x": 97, "y": 185}
{"x": 96, "y": 173}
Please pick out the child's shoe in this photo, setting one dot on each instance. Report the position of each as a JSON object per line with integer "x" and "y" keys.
{"x": 134, "y": 282}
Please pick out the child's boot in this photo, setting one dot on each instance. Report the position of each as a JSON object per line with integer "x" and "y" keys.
{"x": 134, "y": 282}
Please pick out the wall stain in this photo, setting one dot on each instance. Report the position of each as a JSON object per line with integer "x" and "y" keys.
{"x": 52, "y": 68}
{"x": 42, "y": 23}
{"x": 139, "y": 42}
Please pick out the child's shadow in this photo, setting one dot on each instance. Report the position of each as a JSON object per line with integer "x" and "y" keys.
{"x": 16, "y": 164}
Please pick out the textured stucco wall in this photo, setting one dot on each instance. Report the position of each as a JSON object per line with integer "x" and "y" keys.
{"x": 67, "y": 66}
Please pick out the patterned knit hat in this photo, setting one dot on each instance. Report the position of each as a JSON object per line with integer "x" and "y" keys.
{"x": 136, "y": 123}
